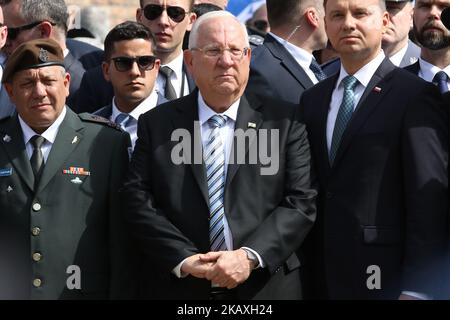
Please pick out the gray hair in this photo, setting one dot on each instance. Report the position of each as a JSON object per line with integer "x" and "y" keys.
{"x": 193, "y": 36}
{"x": 54, "y": 11}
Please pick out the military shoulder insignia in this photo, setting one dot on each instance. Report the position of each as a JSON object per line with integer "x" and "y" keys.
{"x": 99, "y": 120}
{"x": 255, "y": 40}
{"x": 43, "y": 55}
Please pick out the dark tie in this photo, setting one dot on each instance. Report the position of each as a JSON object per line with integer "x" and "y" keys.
{"x": 37, "y": 159}
{"x": 215, "y": 173}
{"x": 169, "y": 91}
{"x": 123, "y": 120}
{"x": 315, "y": 67}
{"x": 344, "y": 114}
{"x": 441, "y": 79}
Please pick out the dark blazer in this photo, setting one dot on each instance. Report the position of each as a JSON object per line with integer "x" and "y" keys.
{"x": 166, "y": 204}
{"x": 106, "y": 111}
{"x": 384, "y": 200}
{"x": 88, "y": 55}
{"x": 77, "y": 216}
{"x": 413, "y": 68}
{"x": 76, "y": 71}
{"x": 96, "y": 92}
{"x": 275, "y": 73}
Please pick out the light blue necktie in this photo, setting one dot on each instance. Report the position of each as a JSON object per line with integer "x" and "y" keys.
{"x": 441, "y": 79}
{"x": 318, "y": 72}
{"x": 123, "y": 120}
{"x": 215, "y": 173}
{"x": 344, "y": 114}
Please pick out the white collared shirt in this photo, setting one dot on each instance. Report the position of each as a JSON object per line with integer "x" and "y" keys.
{"x": 146, "y": 105}
{"x": 176, "y": 78}
{"x": 364, "y": 75}
{"x": 49, "y": 135}
{"x": 427, "y": 71}
{"x": 303, "y": 57}
{"x": 397, "y": 58}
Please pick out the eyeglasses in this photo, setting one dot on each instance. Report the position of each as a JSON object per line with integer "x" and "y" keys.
{"x": 153, "y": 11}
{"x": 123, "y": 64}
{"x": 14, "y": 32}
{"x": 236, "y": 54}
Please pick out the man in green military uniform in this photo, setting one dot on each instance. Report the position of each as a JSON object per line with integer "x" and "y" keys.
{"x": 61, "y": 236}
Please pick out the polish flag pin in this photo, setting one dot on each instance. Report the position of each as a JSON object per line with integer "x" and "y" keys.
{"x": 377, "y": 89}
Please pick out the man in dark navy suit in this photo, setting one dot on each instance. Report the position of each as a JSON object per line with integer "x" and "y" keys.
{"x": 379, "y": 139}
{"x": 283, "y": 66}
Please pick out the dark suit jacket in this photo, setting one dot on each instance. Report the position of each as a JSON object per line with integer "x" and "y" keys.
{"x": 106, "y": 111}
{"x": 88, "y": 55}
{"x": 96, "y": 92}
{"x": 77, "y": 214}
{"x": 384, "y": 200}
{"x": 413, "y": 68}
{"x": 167, "y": 204}
{"x": 275, "y": 73}
{"x": 76, "y": 71}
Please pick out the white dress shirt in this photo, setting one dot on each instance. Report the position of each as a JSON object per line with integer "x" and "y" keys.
{"x": 176, "y": 78}
{"x": 49, "y": 135}
{"x": 226, "y": 135}
{"x": 427, "y": 71}
{"x": 146, "y": 105}
{"x": 364, "y": 75}
{"x": 397, "y": 58}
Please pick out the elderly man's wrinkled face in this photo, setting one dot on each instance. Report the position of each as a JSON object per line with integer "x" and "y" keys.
{"x": 39, "y": 95}
{"x": 220, "y": 61}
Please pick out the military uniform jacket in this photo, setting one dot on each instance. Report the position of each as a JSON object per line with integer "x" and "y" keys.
{"x": 69, "y": 220}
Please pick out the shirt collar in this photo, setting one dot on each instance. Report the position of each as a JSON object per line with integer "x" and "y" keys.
{"x": 145, "y": 105}
{"x": 176, "y": 65}
{"x": 429, "y": 71}
{"x": 205, "y": 112}
{"x": 302, "y": 56}
{"x": 365, "y": 74}
{"x": 49, "y": 134}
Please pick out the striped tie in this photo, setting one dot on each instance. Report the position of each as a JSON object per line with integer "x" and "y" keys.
{"x": 215, "y": 173}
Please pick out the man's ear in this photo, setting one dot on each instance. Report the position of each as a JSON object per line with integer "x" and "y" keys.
{"x": 105, "y": 69}
{"x": 9, "y": 89}
{"x": 139, "y": 13}
{"x": 188, "y": 60}
{"x": 192, "y": 17}
{"x": 45, "y": 28}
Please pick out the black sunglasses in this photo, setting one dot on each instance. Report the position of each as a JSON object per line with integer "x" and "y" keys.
{"x": 123, "y": 64}
{"x": 153, "y": 11}
{"x": 14, "y": 32}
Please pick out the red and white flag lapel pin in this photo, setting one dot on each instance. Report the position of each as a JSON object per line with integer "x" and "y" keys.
{"x": 377, "y": 89}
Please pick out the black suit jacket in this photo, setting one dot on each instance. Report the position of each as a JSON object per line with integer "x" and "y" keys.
{"x": 76, "y": 71}
{"x": 384, "y": 200}
{"x": 275, "y": 73}
{"x": 167, "y": 204}
{"x": 413, "y": 68}
{"x": 96, "y": 92}
{"x": 88, "y": 55}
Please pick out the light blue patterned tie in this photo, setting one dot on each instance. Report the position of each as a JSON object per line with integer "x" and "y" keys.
{"x": 441, "y": 79}
{"x": 122, "y": 120}
{"x": 215, "y": 173}
{"x": 344, "y": 114}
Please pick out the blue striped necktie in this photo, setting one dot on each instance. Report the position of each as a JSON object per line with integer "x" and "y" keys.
{"x": 344, "y": 114}
{"x": 123, "y": 120}
{"x": 215, "y": 173}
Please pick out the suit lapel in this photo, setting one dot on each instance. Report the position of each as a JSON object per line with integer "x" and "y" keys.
{"x": 15, "y": 149}
{"x": 187, "y": 118}
{"x": 246, "y": 114}
{"x": 288, "y": 61}
{"x": 377, "y": 88}
{"x": 63, "y": 146}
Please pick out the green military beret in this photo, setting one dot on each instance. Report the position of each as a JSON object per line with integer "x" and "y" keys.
{"x": 33, "y": 54}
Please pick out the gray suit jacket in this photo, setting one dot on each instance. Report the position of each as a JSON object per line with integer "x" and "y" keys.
{"x": 411, "y": 56}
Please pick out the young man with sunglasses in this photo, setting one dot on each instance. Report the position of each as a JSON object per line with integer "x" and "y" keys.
{"x": 35, "y": 19}
{"x": 131, "y": 67}
{"x": 169, "y": 20}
